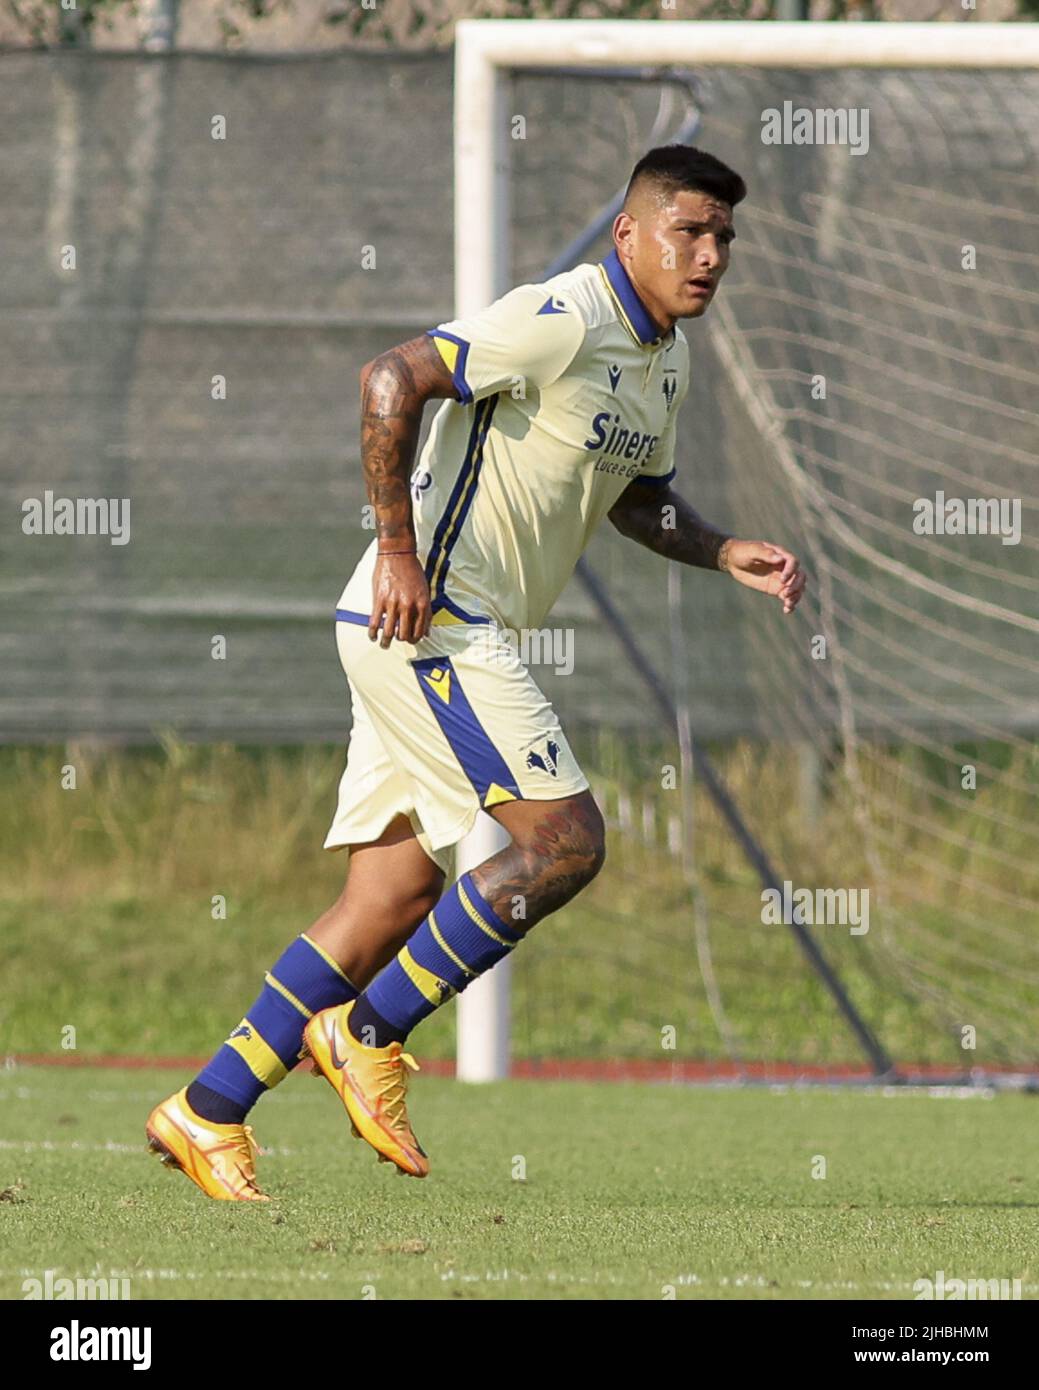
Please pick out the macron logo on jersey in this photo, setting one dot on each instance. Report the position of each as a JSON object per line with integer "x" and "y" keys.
{"x": 553, "y": 305}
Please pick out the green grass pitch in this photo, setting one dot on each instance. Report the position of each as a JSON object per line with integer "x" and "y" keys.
{"x": 538, "y": 1190}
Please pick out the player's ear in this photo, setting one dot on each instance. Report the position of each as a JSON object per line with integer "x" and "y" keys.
{"x": 623, "y": 230}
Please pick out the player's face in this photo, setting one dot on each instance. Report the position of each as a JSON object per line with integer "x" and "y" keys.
{"x": 680, "y": 251}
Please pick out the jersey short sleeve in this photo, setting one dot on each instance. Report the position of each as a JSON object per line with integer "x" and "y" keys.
{"x": 526, "y": 338}
{"x": 660, "y": 468}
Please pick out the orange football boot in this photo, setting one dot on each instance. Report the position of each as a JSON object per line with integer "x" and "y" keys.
{"x": 372, "y": 1083}
{"x": 220, "y": 1159}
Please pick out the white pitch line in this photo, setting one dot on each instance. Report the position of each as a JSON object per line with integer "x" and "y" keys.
{"x": 116, "y": 1097}
{"x": 504, "y": 1276}
{"x": 174, "y": 1275}
{"x": 109, "y": 1147}
{"x": 735, "y": 1281}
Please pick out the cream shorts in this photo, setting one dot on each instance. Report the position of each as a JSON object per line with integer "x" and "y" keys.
{"x": 441, "y": 728}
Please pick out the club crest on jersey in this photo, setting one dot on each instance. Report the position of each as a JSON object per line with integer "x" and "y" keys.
{"x": 548, "y": 761}
{"x": 669, "y": 386}
{"x": 614, "y": 373}
{"x": 553, "y": 305}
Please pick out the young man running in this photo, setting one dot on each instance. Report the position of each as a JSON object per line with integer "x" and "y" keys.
{"x": 561, "y": 403}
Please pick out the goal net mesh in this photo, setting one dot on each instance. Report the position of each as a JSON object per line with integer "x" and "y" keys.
{"x": 866, "y": 374}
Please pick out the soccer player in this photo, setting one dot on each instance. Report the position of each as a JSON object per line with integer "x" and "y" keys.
{"x": 561, "y": 403}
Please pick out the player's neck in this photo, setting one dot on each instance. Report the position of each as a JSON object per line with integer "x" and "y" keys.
{"x": 661, "y": 318}
{"x": 653, "y": 313}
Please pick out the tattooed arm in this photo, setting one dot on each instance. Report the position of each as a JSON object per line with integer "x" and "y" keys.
{"x": 661, "y": 520}
{"x": 640, "y": 513}
{"x": 394, "y": 389}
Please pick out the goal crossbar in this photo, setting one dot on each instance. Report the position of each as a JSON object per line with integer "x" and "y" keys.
{"x": 486, "y": 49}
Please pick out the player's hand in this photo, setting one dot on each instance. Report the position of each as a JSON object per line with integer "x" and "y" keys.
{"x": 400, "y": 600}
{"x": 766, "y": 567}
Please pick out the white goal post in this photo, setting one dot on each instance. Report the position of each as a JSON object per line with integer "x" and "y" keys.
{"x": 485, "y": 52}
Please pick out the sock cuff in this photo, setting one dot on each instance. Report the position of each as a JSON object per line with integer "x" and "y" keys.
{"x": 333, "y": 965}
{"x": 309, "y": 978}
{"x": 478, "y": 903}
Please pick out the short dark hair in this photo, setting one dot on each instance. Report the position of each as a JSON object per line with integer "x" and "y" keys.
{"x": 670, "y": 168}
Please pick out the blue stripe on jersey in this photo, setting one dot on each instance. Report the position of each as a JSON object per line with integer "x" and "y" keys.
{"x": 655, "y": 482}
{"x": 456, "y": 491}
{"x": 481, "y": 762}
{"x": 346, "y": 615}
{"x": 465, "y": 395}
{"x": 450, "y": 525}
{"x": 444, "y": 602}
{"x": 469, "y": 495}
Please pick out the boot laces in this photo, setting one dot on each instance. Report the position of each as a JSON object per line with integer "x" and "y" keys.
{"x": 392, "y": 1083}
{"x": 249, "y": 1149}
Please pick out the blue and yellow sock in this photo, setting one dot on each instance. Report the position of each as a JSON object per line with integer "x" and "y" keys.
{"x": 461, "y": 938}
{"x": 268, "y": 1042}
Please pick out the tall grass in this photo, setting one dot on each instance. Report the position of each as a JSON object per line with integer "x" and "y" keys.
{"x": 106, "y": 894}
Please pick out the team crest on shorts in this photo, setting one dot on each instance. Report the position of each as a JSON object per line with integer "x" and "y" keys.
{"x": 547, "y": 760}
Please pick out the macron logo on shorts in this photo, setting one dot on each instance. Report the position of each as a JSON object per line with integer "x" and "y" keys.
{"x": 439, "y": 680}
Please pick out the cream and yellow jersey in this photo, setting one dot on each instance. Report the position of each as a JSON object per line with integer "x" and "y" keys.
{"x": 566, "y": 393}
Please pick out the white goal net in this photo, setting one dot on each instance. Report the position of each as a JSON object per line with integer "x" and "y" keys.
{"x": 864, "y": 390}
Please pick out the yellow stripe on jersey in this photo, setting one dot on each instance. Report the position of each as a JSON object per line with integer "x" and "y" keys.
{"x": 448, "y": 351}
{"x": 496, "y": 795}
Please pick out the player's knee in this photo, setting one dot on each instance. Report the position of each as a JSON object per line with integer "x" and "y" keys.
{"x": 407, "y": 905}
{"x": 421, "y": 903}
{"x": 593, "y": 841}
{"x": 578, "y": 845}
